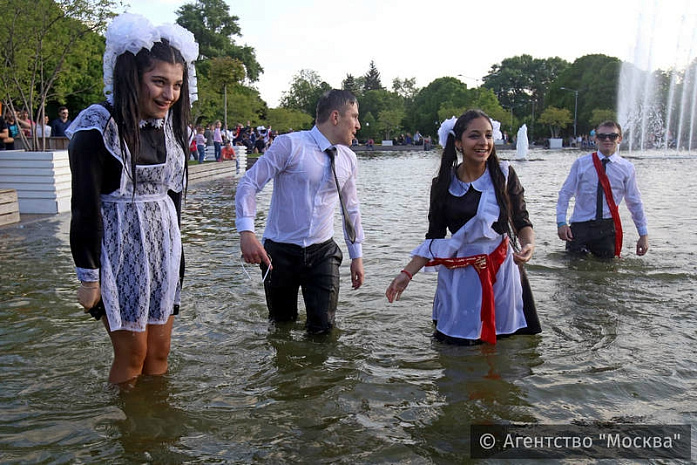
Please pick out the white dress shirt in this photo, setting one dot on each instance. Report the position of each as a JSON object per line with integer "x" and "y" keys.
{"x": 304, "y": 193}
{"x": 582, "y": 183}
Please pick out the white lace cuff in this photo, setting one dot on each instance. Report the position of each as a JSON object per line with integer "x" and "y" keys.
{"x": 87, "y": 274}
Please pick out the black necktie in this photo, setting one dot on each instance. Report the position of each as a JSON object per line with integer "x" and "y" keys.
{"x": 599, "y": 198}
{"x": 331, "y": 151}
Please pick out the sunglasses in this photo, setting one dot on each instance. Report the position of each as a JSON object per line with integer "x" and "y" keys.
{"x": 613, "y": 137}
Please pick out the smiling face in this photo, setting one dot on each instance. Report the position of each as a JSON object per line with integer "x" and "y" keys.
{"x": 608, "y": 138}
{"x": 160, "y": 89}
{"x": 477, "y": 141}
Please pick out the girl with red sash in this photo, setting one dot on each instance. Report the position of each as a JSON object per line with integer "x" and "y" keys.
{"x": 482, "y": 291}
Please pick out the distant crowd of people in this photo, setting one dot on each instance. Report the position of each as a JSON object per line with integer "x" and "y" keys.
{"x": 12, "y": 123}
{"x": 223, "y": 140}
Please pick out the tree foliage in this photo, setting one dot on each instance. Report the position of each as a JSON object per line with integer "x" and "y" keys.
{"x": 79, "y": 83}
{"x": 36, "y": 39}
{"x": 523, "y": 81}
{"x": 284, "y": 120}
{"x": 390, "y": 121}
{"x": 225, "y": 73}
{"x": 405, "y": 88}
{"x": 445, "y": 92}
{"x": 305, "y": 90}
{"x": 214, "y": 28}
{"x": 245, "y": 104}
{"x": 372, "y": 78}
{"x": 556, "y": 119}
{"x": 599, "y": 116}
{"x": 596, "y": 78}
{"x": 351, "y": 84}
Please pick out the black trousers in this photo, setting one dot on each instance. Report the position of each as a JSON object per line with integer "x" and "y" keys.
{"x": 315, "y": 270}
{"x": 596, "y": 237}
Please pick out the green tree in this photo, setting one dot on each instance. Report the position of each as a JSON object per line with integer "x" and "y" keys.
{"x": 379, "y": 102}
{"x": 80, "y": 83}
{"x": 405, "y": 88}
{"x": 284, "y": 120}
{"x": 478, "y": 98}
{"x": 370, "y": 129}
{"x": 36, "y": 39}
{"x": 596, "y": 78}
{"x": 305, "y": 90}
{"x": 213, "y": 26}
{"x": 523, "y": 81}
{"x": 486, "y": 100}
{"x": 372, "y": 78}
{"x": 226, "y": 72}
{"x": 556, "y": 119}
{"x": 351, "y": 84}
{"x": 601, "y": 115}
{"x": 389, "y": 121}
{"x": 246, "y": 104}
{"x": 445, "y": 92}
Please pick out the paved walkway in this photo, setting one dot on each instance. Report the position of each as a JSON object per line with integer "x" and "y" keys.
{"x": 211, "y": 170}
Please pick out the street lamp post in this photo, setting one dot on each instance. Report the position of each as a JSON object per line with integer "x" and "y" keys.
{"x": 575, "y": 106}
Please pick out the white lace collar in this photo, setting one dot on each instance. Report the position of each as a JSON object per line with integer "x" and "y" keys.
{"x": 154, "y": 122}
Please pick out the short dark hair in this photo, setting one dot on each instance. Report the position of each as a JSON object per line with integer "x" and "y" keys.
{"x": 331, "y": 100}
{"x": 610, "y": 123}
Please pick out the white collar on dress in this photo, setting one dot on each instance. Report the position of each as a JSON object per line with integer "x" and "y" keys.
{"x": 459, "y": 188}
{"x": 154, "y": 122}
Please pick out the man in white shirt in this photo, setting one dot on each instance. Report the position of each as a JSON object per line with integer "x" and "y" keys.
{"x": 592, "y": 226}
{"x": 298, "y": 239}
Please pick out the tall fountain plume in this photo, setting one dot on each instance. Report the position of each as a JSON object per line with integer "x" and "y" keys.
{"x": 657, "y": 108}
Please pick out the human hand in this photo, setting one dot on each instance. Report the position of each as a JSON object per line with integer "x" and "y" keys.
{"x": 642, "y": 245}
{"x": 252, "y": 250}
{"x": 357, "y": 273}
{"x": 524, "y": 255}
{"x": 397, "y": 286}
{"x": 564, "y": 233}
{"x": 88, "y": 294}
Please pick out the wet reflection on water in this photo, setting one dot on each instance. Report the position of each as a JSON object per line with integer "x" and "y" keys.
{"x": 617, "y": 343}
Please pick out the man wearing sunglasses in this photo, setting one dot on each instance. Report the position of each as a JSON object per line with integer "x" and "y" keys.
{"x": 595, "y": 225}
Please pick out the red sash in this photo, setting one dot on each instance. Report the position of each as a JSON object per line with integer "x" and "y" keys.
{"x": 486, "y": 266}
{"x": 605, "y": 182}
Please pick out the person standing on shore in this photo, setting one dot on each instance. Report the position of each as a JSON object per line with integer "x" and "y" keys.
{"x": 128, "y": 162}
{"x": 311, "y": 170}
{"x": 60, "y": 124}
{"x": 599, "y": 181}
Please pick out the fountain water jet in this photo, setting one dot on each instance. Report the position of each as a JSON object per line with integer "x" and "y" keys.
{"x": 657, "y": 108}
{"x": 522, "y": 143}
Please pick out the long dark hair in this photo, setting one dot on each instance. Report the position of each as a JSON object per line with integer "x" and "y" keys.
{"x": 449, "y": 161}
{"x": 128, "y": 75}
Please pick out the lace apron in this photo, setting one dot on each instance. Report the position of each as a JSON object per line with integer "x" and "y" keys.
{"x": 141, "y": 243}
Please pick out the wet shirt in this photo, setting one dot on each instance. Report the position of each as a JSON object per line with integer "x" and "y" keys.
{"x": 304, "y": 195}
{"x": 582, "y": 184}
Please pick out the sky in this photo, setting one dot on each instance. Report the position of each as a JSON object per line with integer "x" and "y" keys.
{"x": 427, "y": 40}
